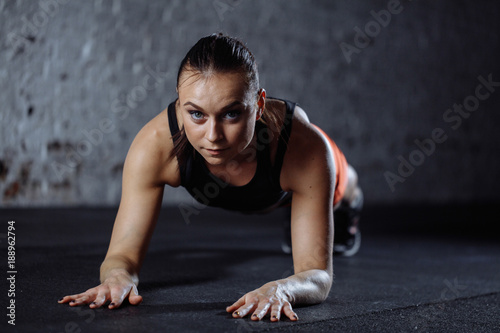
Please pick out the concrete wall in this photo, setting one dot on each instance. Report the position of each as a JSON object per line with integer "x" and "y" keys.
{"x": 80, "y": 78}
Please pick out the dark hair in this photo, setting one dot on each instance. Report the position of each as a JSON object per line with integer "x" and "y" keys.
{"x": 221, "y": 54}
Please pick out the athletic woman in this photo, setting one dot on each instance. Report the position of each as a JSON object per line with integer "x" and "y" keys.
{"x": 233, "y": 147}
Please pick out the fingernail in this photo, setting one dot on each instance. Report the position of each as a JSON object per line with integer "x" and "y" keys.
{"x": 236, "y": 313}
{"x": 275, "y": 317}
{"x": 254, "y": 315}
{"x": 112, "y": 304}
{"x": 295, "y": 317}
{"x": 93, "y": 303}
{"x": 60, "y": 299}
{"x": 73, "y": 301}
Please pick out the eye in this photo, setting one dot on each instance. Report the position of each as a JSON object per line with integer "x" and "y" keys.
{"x": 232, "y": 115}
{"x": 196, "y": 115}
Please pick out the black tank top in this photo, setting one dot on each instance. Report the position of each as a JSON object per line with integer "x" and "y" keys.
{"x": 262, "y": 193}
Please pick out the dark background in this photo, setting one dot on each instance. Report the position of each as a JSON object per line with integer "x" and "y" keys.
{"x": 68, "y": 66}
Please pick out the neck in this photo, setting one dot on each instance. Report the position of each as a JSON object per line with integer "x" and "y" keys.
{"x": 239, "y": 170}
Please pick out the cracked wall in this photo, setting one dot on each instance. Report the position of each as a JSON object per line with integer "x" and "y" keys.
{"x": 80, "y": 78}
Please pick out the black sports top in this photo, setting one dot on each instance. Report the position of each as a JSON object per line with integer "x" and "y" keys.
{"x": 262, "y": 193}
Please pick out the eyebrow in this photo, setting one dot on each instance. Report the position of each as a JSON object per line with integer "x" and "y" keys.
{"x": 229, "y": 106}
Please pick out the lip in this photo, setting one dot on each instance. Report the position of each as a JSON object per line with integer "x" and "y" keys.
{"x": 215, "y": 152}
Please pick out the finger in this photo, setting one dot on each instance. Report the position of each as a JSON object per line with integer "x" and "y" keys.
{"x": 69, "y": 298}
{"x": 65, "y": 299}
{"x": 117, "y": 296}
{"x": 84, "y": 299}
{"x": 244, "y": 310}
{"x": 100, "y": 299}
{"x": 276, "y": 312}
{"x": 287, "y": 310}
{"x": 236, "y": 304}
{"x": 134, "y": 298}
{"x": 261, "y": 311}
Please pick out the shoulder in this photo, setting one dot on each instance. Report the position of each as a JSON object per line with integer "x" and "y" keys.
{"x": 150, "y": 156}
{"x": 308, "y": 158}
{"x": 276, "y": 110}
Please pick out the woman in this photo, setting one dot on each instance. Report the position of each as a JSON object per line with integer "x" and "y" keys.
{"x": 233, "y": 147}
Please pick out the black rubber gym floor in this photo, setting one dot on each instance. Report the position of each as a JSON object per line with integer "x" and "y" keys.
{"x": 420, "y": 269}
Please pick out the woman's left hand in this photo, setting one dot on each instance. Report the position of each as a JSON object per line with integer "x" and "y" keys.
{"x": 271, "y": 298}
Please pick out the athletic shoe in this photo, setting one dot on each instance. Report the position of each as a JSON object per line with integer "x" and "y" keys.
{"x": 347, "y": 240}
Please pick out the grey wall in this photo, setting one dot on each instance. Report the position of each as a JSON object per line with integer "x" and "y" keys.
{"x": 80, "y": 78}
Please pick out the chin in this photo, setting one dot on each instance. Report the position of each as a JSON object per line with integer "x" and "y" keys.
{"x": 214, "y": 160}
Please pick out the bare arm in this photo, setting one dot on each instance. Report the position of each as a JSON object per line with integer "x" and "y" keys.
{"x": 134, "y": 224}
{"x": 147, "y": 169}
{"x": 137, "y": 214}
{"x": 308, "y": 172}
{"x": 312, "y": 181}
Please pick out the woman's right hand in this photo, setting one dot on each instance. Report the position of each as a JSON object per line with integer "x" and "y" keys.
{"x": 117, "y": 287}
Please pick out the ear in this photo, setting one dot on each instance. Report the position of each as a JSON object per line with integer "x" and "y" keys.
{"x": 261, "y": 103}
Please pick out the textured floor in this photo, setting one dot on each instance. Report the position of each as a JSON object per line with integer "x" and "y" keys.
{"x": 420, "y": 269}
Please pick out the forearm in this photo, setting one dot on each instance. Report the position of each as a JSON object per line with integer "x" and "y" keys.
{"x": 119, "y": 264}
{"x": 308, "y": 287}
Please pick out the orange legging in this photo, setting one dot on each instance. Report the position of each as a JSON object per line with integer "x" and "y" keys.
{"x": 340, "y": 168}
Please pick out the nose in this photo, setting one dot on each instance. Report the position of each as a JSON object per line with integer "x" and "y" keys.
{"x": 214, "y": 131}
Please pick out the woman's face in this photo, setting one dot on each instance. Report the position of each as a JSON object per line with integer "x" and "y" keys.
{"x": 219, "y": 114}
